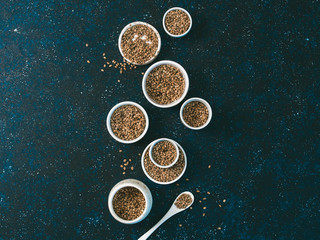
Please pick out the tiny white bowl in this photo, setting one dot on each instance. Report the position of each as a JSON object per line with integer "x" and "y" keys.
{"x": 160, "y": 140}
{"x": 108, "y": 122}
{"x": 143, "y": 189}
{"x": 148, "y": 25}
{"x": 196, "y": 100}
{"x": 164, "y": 22}
{"x": 164, "y": 183}
{"x": 186, "y": 83}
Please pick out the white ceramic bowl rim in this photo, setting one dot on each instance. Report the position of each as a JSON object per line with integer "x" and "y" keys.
{"x": 164, "y": 183}
{"x": 162, "y": 140}
{"x": 123, "y": 104}
{"x": 131, "y": 25}
{"x": 196, "y": 99}
{"x": 164, "y": 21}
{"x": 123, "y": 185}
{"x": 186, "y": 82}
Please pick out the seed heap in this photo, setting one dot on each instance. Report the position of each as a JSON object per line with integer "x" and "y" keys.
{"x": 195, "y": 114}
{"x": 183, "y": 201}
{"x": 164, "y": 153}
{"x": 165, "y": 84}
{"x": 128, "y": 122}
{"x": 128, "y": 203}
{"x": 177, "y": 22}
{"x": 164, "y": 174}
{"x": 139, "y": 44}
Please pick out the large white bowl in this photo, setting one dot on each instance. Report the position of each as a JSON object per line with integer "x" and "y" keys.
{"x": 186, "y": 85}
{"x": 163, "y": 183}
{"x": 136, "y": 184}
{"x": 146, "y": 24}
{"x": 108, "y": 122}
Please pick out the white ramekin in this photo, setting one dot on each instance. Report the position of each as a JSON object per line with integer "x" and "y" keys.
{"x": 164, "y": 183}
{"x": 136, "y": 184}
{"x": 161, "y": 140}
{"x": 164, "y": 24}
{"x": 137, "y": 23}
{"x": 108, "y": 122}
{"x": 196, "y": 99}
{"x": 186, "y": 83}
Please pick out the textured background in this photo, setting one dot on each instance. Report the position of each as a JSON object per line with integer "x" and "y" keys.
{"x": 256, "y": 63}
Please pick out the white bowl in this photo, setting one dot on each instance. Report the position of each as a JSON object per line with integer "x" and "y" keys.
{"x": 186, "y": 83}
{"x": 137, "y": 23}
{"x": 164, "y": 183}
{"x": 108, "y": 122}
{"x": 164, "y": 24}
{"x": 136, "y": 184}
{"x": 195, "y": 99}
{"x": 160, "y": 140}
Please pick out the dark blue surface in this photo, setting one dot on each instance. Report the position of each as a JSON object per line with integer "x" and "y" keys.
{"x": 257, "y": 63}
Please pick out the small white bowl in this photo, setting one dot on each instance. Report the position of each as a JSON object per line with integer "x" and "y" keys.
{"x": 164, "y": 183}
{"x": 186, "y": 83}
{"x": 164, "y": 22}
{"x": 161, "y": 140}
{"x": 108, "y": 122}
{"x": 148, "y": 25}
{"x": 143, "y": 189}
{"x": 196, "y": 100}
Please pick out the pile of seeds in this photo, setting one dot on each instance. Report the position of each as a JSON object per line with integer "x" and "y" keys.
{"x": 165, "y": 84}
{"x": 195, "y": 114}
{"x": 164, "y": 174}
{"x": 164, "y": 153}
{"x": 177, "y": 22}
{"x": 183, "y": 201}
{"x": 129, "y": 203}
{"x": 128, "y": 122}
{"x": 139, "y": 44}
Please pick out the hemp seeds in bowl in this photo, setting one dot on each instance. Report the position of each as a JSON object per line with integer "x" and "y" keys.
{"x": 165, "y": 84}
{"x": 177, "y": 22}
{"x": 195, "y": 113}
{"x": 127, "y": 122}
{"x": 160, "y": 175}
{"x": 139, "y": 43}
{"x": 130, "y": 201}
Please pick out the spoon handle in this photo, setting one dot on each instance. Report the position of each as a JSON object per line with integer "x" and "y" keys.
{"x": 168, "y": 215}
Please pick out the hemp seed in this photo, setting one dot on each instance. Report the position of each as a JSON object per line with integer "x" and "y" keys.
{"x": 129, "y": 203}
{"x": 195, "y": 114}
{"x": 183, "y": 201}
{"x": 139, "y": 44}
{"x": 128, "y": 122}
{"x": 164, "y": 153}
{"x": 177, "y": 22}
{"x": 164, "y": 174}
{"x": 165, "y": 84}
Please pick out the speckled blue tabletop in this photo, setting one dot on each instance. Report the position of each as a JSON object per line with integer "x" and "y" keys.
{"x": 255, "y": 62}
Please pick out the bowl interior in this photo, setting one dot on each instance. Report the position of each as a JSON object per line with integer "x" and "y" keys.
{"x": 164, "y": 22}
{"x": 131, "y": 25}
{"x": 108, "y": 122}
{"x": 158, "y": 182}
{"x": 115, "y": 215}
{"x": 157, "y": 64}
{"x": 196, "y": 100}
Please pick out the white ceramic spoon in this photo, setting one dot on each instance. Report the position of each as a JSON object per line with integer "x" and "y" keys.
{"x": 172, "y": 211}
